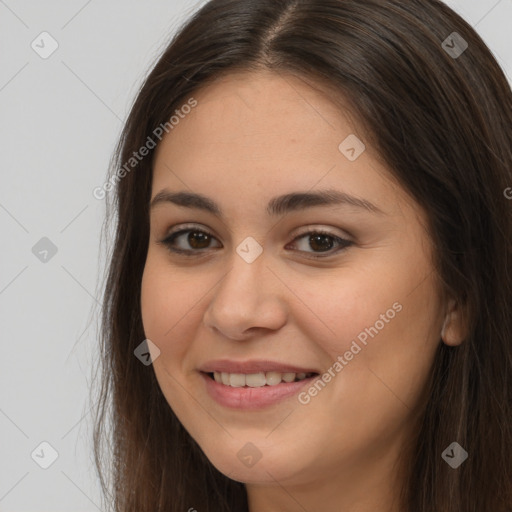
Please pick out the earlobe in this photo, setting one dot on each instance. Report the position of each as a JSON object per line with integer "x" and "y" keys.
{"x": 453, "y": 330}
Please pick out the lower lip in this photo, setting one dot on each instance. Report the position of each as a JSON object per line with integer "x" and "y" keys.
{"x": 252, "y": 398}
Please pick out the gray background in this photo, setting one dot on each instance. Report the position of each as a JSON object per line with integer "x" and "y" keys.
{"x": 60, "y": 118}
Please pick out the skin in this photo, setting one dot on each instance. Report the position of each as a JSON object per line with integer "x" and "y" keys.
{"x": 250, "y": 138}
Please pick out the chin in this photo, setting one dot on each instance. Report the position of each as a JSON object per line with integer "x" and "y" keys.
{"x": 244, "y": 462}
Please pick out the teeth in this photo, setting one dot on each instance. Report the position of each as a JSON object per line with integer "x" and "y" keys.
{"x": 257, "y": 380}
{"x": 273, "y": 378}
{"x": 236, "y": 380}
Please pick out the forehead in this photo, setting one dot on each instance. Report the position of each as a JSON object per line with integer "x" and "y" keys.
{"x": 261, "y": 134}
{"x": 255, "y": 106}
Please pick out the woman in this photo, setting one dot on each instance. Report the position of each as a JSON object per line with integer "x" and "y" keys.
{"x": 313, "y": 249}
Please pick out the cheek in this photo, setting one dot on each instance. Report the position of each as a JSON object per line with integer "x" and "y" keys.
{"x": 173, "y": 301}
{"x": 383, "y": 323}
{"x": 166, "y": 301}
{"x": 168, "y": 307}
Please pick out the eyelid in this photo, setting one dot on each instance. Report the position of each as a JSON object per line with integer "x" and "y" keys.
{"x": 316, "y": 229}
{"x": 302, "y": 231}
{"x": 188, "y": 227}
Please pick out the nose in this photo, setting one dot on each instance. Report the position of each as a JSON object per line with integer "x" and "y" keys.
{"x": 249, "y": 300}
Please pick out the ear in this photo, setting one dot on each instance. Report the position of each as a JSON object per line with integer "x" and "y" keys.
{"x": 453, "y": 332}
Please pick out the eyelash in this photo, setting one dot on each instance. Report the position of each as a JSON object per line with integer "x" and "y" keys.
{"x": 170, "y": 239}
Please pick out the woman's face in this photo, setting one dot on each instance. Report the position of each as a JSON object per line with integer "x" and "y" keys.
{"x": 272, "y": 286}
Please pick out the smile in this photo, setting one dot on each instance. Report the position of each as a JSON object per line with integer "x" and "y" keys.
{"x": 254, "y": 390}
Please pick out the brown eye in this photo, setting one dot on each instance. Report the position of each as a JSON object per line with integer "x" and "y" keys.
{"x": 198, "y": 239}
{"x": 194, "y": 240}
{"x": 321, "y": 242}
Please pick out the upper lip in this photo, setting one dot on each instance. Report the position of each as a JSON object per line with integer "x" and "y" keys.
{"x": 253, "y": 366}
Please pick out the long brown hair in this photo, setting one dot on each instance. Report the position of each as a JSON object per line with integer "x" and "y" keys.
{"x": 442, "y": 122}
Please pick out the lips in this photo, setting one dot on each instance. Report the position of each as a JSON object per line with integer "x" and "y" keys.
{"x": 253, "y": 384}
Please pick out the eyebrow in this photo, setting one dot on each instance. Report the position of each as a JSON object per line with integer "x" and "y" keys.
{"x": 276, "y": 206}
